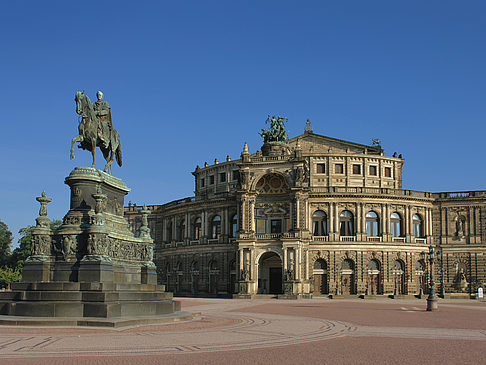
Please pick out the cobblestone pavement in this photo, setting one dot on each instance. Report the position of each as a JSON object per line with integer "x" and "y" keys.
{"x": 270, "y": 331}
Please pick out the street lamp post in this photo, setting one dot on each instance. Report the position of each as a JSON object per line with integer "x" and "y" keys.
{"x": 337, "y": 281}
{"x": 432, "y": 304}
{"x": 440, "y": 259}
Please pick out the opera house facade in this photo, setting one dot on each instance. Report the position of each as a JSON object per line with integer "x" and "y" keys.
{"x": 313, "y": 216}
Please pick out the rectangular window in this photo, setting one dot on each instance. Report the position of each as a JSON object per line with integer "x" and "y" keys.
{"x": 276, "y": 226}
{"x": 202, "y": 183}
{"x": 357, "y": 169}
{"x": 373, "y": 170}
{"x": 211, "y": 180}
{"x": 339, "y": 168}
{"x": 388, "y": 172}
{"x": 235, "y": 174}
{"x": 321, "y": 168}
{"x": 222, "y": 177}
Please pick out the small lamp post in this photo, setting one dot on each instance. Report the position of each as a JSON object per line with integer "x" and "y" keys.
{"x": 338, "y": 292}
{"x": 432, "y": 304}
{"x": 440, "y": 259}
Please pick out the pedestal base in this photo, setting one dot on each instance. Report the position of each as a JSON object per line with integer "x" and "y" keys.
{"x": 432, "y": 305}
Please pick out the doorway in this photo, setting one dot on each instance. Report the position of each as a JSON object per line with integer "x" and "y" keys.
{"x": 270, "y": 274}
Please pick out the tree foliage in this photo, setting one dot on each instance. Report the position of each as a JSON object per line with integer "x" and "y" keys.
{"x": 9, "y": 275}
{"x": 5, "y": 243}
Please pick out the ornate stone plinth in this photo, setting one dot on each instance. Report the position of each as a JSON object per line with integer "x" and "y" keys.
{"x": 275, "y": 149}
{"x": 92, "y": 266}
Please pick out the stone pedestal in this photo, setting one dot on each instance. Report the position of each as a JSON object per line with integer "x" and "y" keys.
{"x": 92, "y": 266}
{"x": 275, "y": 149}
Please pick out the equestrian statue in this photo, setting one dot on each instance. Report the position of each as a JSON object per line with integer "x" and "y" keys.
{"x": 96, "y": 130}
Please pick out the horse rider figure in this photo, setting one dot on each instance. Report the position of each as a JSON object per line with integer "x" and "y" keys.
{"x": 103, "y": 112}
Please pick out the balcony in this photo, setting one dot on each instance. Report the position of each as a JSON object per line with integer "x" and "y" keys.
{"x": 398, "y": 239}
{"x": 421, "y": 240}
{"x": 320, "y": 238}
{"x": 347, "y": 238}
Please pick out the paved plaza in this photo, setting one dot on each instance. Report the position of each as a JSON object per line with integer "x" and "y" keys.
{"x": 269, "y": 331}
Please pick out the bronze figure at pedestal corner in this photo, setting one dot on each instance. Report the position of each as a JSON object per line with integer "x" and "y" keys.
{"x": 96, "y": 130}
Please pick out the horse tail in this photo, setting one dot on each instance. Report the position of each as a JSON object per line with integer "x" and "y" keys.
{"x": 118, "y": 153}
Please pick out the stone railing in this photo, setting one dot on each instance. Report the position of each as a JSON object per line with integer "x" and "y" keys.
{"x": 373, "y": 239}
{"x": 347, "y": 238}
{"x": 461, "y": 194}
{"x": 320, "y": 238}
{"x": 268, "y": 158}
{"x": 398, "y": 239}
{"x": 267, "y": 236}
{"x": 374, "y": 191}
{"x": 421, "y": 240}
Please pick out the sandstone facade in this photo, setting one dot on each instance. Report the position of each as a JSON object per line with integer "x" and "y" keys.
{"x": 316, "y": 216}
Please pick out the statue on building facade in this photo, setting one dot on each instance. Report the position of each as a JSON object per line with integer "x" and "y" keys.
{"x": 96, "y": 130}
{"x": 277, "y": 132}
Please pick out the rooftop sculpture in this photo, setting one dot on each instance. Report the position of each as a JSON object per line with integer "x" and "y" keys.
{"x": 277, "y": 132}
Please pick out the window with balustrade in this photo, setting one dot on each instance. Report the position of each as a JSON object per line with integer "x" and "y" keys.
{"x": 319, "y": 223}
{"x": 372, "y": 224}
{"x": 234, "y": 225}
{"x": 196, "y": 229}
{"x": 346, "y": 223}
{"x": 396, "y": 225}
{"x": 418, "y": 226}
{"x": 216, "y": 227}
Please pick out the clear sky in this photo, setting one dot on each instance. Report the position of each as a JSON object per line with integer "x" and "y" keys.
{"x": 191, "y": 81}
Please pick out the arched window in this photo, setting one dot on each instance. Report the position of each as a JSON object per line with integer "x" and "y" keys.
{"x": 216, "y": 227}
{"x": 373, "y": 267}
{"x": 195, "y": 266}
{"x": 181, "y": 230}
{"x": 234, "y": 226}
{"x": 213, "y": 265}
{"x": 320, "y": 264}
{"x": 396, "y": 225}
{"x": 418, "y": 226}
{"x": 169, "y": 231}
{"x": 372, "y": 224}
{"x": 346, "y": 223}
{"x": 319, "y": 223}
{"x": 196, "y": 229}
{"x": 179, "y": 267}
{"x": 347, "y": 265}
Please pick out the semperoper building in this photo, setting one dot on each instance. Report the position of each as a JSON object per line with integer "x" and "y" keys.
{"x": 316, "y": 215}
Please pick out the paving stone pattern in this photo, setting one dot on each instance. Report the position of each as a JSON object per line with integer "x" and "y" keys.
{"x": 239, "y": 325}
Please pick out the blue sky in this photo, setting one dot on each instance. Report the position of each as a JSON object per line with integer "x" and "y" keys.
{"x": 191, "y": 81}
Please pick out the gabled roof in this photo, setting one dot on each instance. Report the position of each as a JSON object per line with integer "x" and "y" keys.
{"x": 316, "y": 143}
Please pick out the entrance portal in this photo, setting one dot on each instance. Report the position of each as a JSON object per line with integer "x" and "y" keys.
{"x": 270, "y": 274}
{"x": 347, "y": 272}
{"x": 320, "y": 277}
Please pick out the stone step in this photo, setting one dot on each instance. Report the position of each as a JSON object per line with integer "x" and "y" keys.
{"x": 88, "y": 309}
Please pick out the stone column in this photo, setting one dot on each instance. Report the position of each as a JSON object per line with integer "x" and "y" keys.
{"x": 330, "y": 212}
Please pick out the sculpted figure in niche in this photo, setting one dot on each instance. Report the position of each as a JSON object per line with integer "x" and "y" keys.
{"x": 460, "y": 222}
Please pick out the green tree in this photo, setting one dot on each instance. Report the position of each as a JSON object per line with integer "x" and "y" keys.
{"x": 5, "y": 242}
{"x": 23, "y": 251}
{"x": 9, "y": 275}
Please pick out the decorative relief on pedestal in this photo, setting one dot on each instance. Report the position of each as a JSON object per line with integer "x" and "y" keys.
{"x": 97, "y": 244}
{"x": 41, "y": 245}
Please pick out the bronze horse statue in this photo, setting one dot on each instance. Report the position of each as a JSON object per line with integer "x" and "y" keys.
{"x": 88, "y": 137}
